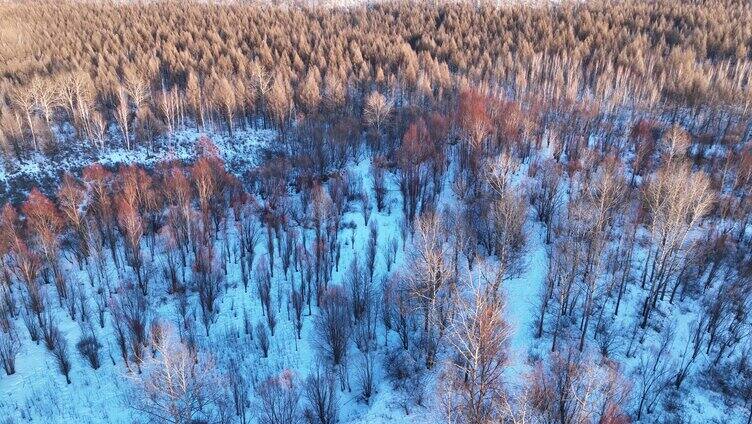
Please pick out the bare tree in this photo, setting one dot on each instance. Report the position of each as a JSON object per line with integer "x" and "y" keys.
{"x": 568, "y": 388}
{"x": 239, "y": 389}
{"x": 223, "y": 96}
{"x": 429, "y": 275}
{"x": 72, "y": 201}
{"x": 675, "y": 143}
{"x": 366, "y": 376}
{"x": 546, "y": 196}
{"x": 397, "y": 308}
{"x": 122, "y": 114}
{"x": 390, "y": 253}
{"x": 475, "y": 124}
{"x": 208, "y": 279}
{"x": 321, "y": 396}
{"x": 23, "y": 98}
{"x": 479, "y": 337}
{"x": 194, "y": 96}
{"x": 98, "y": 128}
{"x": 264, "y": 290}
{"x": 591, "y": 216}
{"x": 137, "y": 87}
{"x": 131, "y": 222}
{"x": 46, "y": 100}
{"x": 376, "y": 110}
{"x": 130, "y": 314}
{"x": 332, "y": 330}
{"x": 508, "y": 217}
{"x": 249, "y": 235}
{"x": 296, "y": 298}
{"x": 26, "y": 264}
{"x": 75, "y": 90}
{"x": 262, "y": 338}
{"x": 653, "y": 375}
{"x": 379, "y": 183}
{"x": 677, "y": 200}
{"x": 10, "y": 346}
{"x": 61, "y": 353}
{"x": 279, "y": 400}
{"x": 46, "y": 225}
{"x": 177, "y": 385}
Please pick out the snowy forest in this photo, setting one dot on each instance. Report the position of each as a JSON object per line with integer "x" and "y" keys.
{"x": 376, "y": 212}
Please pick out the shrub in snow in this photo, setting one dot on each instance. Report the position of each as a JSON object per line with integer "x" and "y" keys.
{"x": 366, "y": 376}
{"x": 404, "y": 369}
{"x": 332, "y": 331}
{"x": 32, "y": 326}
{"x": 89, "y": 347}
{"x": 61, "y": 354}
{"x": 321, "y": 397}
{"x": 9, "y": 348}
{"x": 279, "y": 400}
{"x": 50, "y": 333}
{"x": 262, "y": 339}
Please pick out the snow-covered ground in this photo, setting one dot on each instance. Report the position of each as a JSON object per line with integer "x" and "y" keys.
{"x": 39, "y": 393}
{"x": 240, "y": 152}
